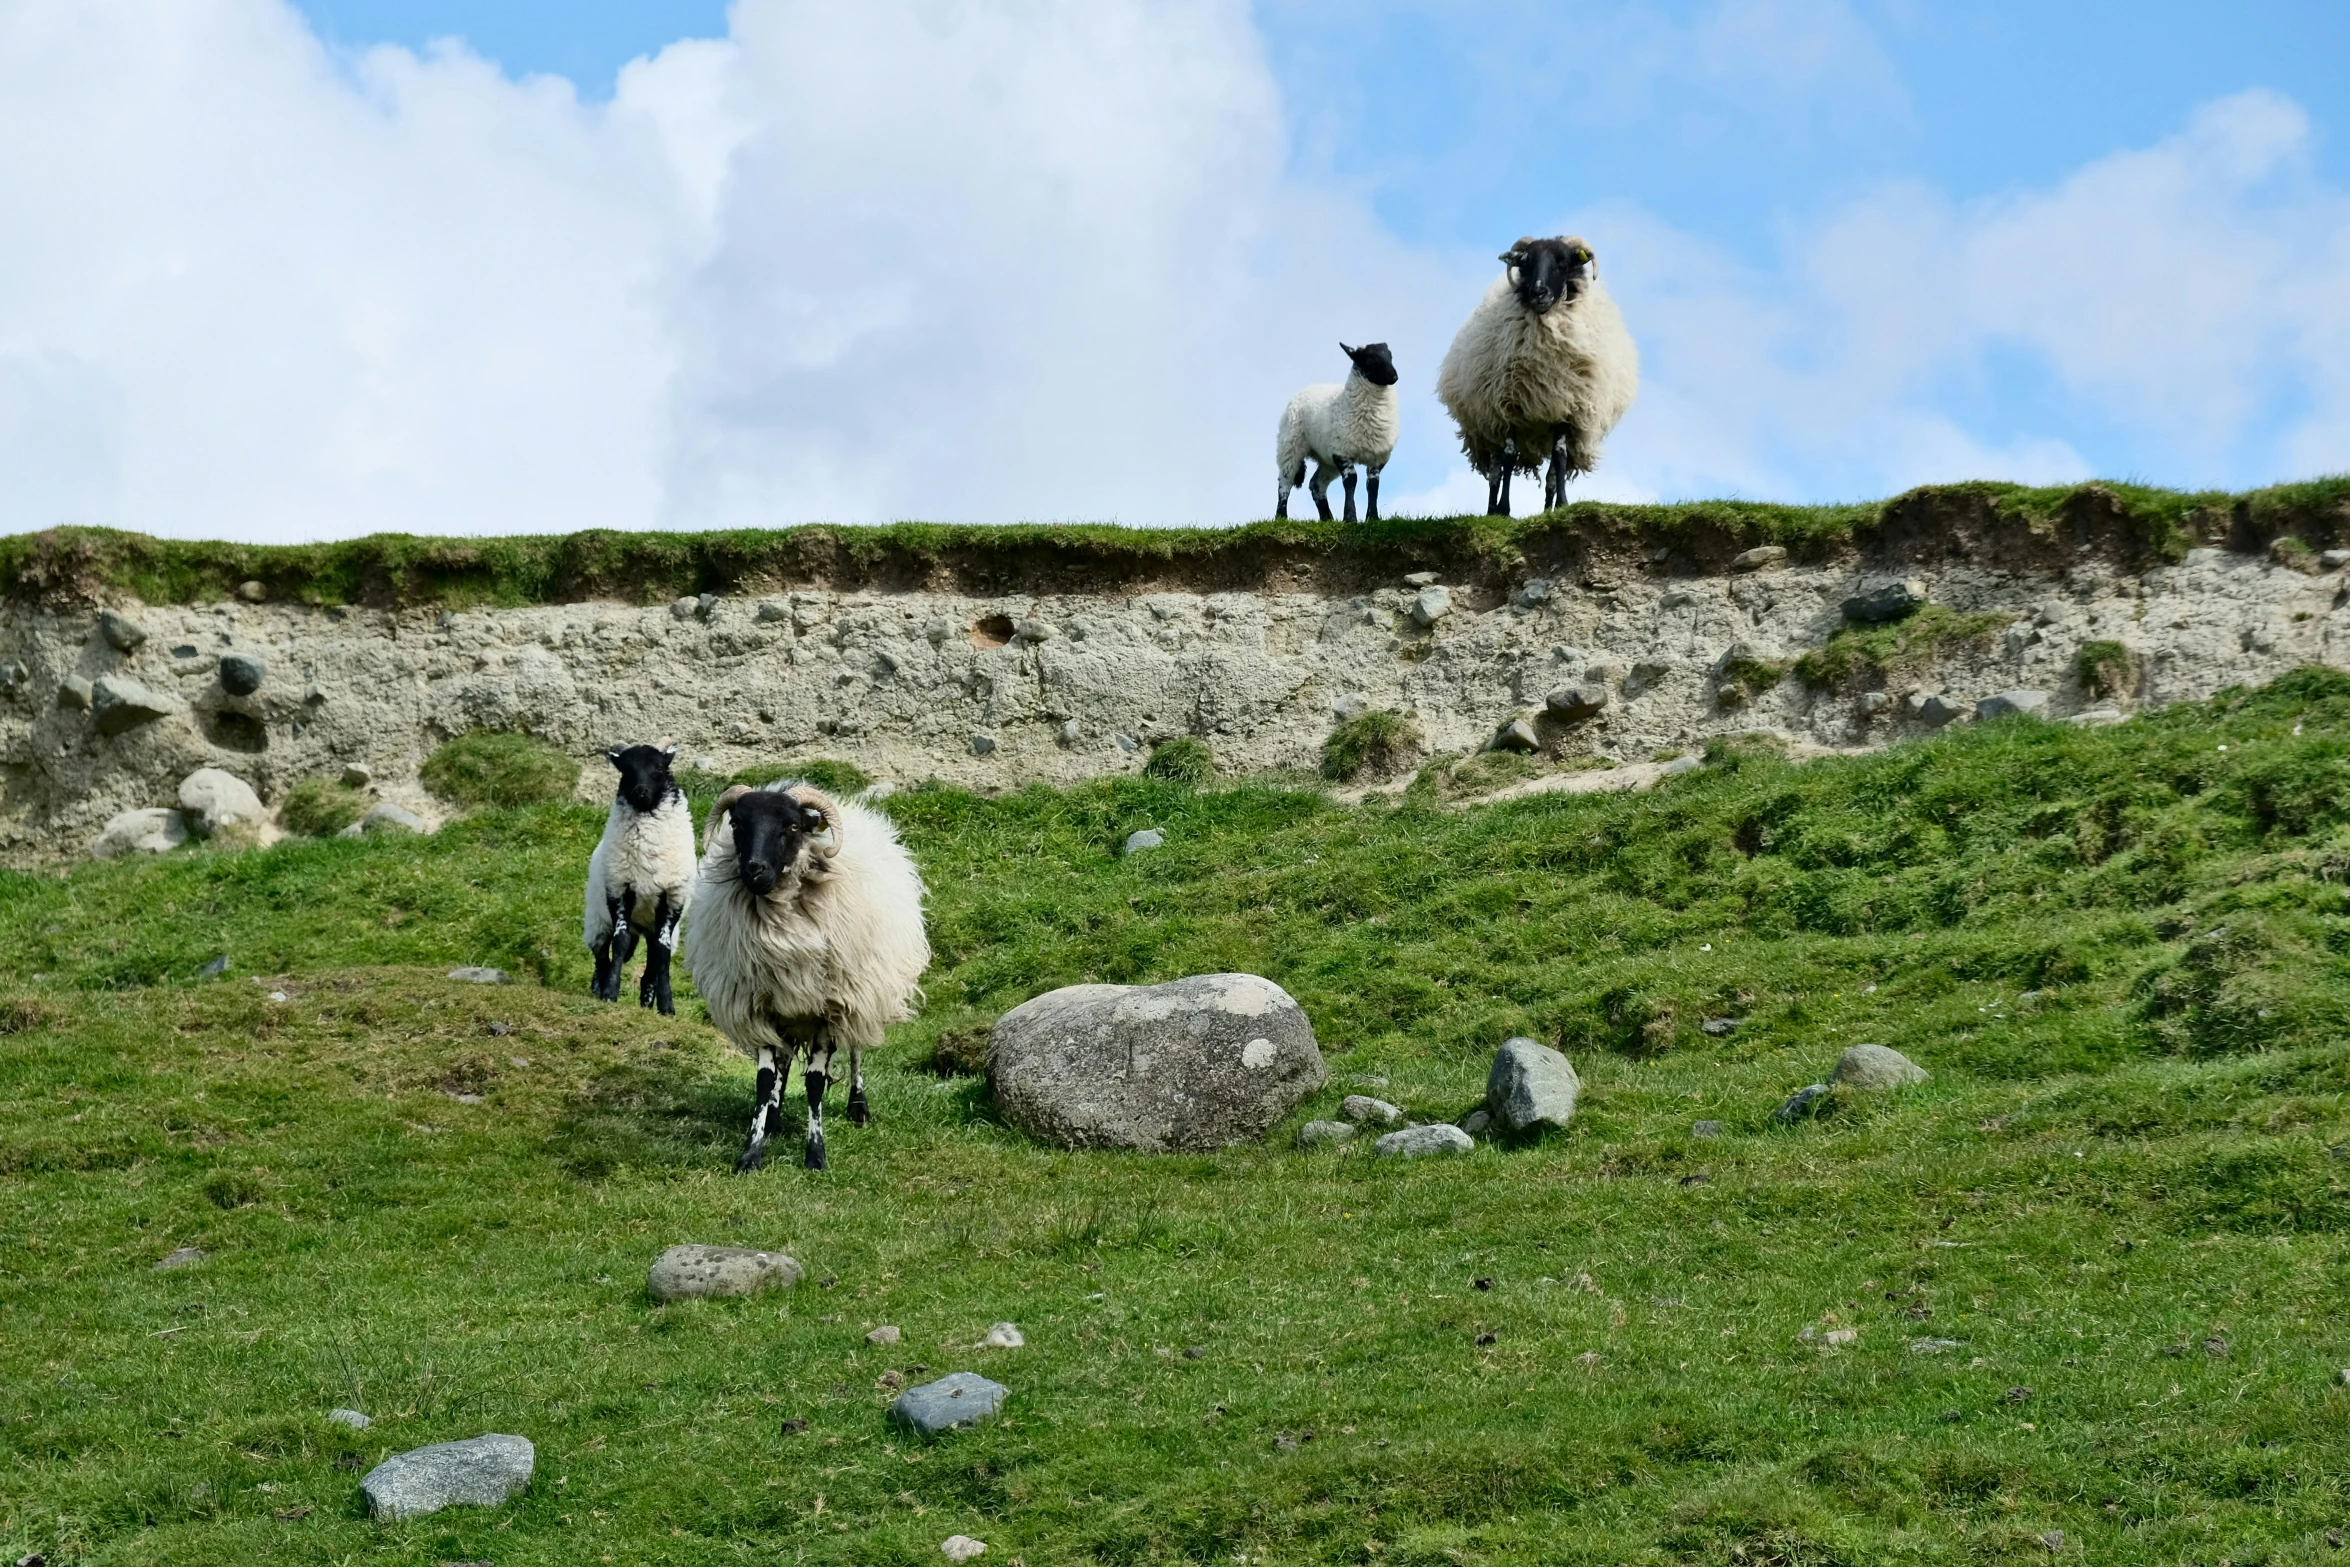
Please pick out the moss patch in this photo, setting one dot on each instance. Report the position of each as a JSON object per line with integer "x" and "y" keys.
{"x": 489, "y": 768}
{"x": 1380, "y": 742}
{"x": 1903, "y": 647}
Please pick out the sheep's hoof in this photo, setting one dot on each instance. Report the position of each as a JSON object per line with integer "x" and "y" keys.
{"x": 754, "y": 1157}
{"x": 816, "y": 1155}
{"x": 858, "y": 1113}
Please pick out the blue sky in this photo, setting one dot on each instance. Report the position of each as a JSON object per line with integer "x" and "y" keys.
{"x": 469, "y": 266}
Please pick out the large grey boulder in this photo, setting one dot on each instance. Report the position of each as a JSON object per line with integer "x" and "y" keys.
{"x": 151, "y": 831}
{"x": 704, "y": 1272}
{"x": 1531, "y": 1085}
{"x": 960, "y": 1398}
{"x": 481, "y": 1471}
{"x": 1211, "y": 1061}
{"x": 1875, "y": 1067}
{"x": 120, "y": 703}
{"x": 1887, "y": 601}
{"x": 213, "y": 801}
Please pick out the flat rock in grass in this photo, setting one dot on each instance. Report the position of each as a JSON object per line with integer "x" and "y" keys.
{"x": 1803, "y": 1102}
{"x": 708, "y": 1272}
{"x": 185, "y": 1257}
{"x": 961, "y": 1548}
{"x": 1004, "y": 1335}
{"x": 481, "y": 1471}
{"x": 1362, "y": 1109}
{"x": 960, "y": 1398}
{"x": 479, "y": 976}
{"x": 887, "y": 1333}
{"x": 213, "y": 801}
{"x": 1212, "y": 1061}
{"x": 1315, "y": 1134}
{"x": 349, "y": 1417}
{"x": 1421, "y": 1142}
{"x": 1531, "y": 1085}
{"x": 1876, "y": 1067}
{"x": 151, "y": 831}
{"x": 388, "y": 817}
{"x": 1148, "y": 838}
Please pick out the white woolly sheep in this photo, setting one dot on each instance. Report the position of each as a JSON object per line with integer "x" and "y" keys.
{"x": 1543, "y": 368}
{"x": 1339, "y": 426}
{"x": 641, "y": 875}
{"x": 807, "y": 934}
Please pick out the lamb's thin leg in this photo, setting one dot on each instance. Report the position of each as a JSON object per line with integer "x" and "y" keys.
{"x": 1554, "y": 491}
{"x": 859, "y": 1114}
{"x": 766, "y": 1108}
{"x": 1347, "y": 477}
{"x": 1509, "y": 462}
{"x": 607, "y": 985}
{"x": 654, "y": 991}
{"x": 1319, "y": 488}
{"x": 819, "y": 1073}
{"x": 1371, "y": 482}
{"x": 1493, "y": 504}
{"x": 623, "y": 938}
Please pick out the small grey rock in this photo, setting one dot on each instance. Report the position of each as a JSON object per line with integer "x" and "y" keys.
{"x": 704, "y": 604}
{"x": 961, "y": 1548}
{"x": 887, "y": 1333}
{"x": 1576, "y": 702}
{"x": 121, "y": 704}
{"x": 1720, "y": 1027}
{"x": 1534, "y": 591}
{"x": 1889, "y": 601}
{"x": 74, "y": 692}
{"x": 1683, "y": 764}
{"x": 214, "y": 969}
{"x": 960, "y": 1398}
{"x": 252, "y": 592}
{"x": 982, "y": 745}
{"x": 1126, "y": 742}
{"x": 185, "y": 1256}
{"x": 357, "y": 775}
{"x": 1938, "y": 710}
{"x": 2029, "y": 704}
{"x": 1148, "y": 838}
{"x": 1760, "y": 558}
{"x": 151, "y": 831}
{"x": 1420, "y": 1142}
{"x": 1530, "y": 1084}
{"x": 706, "y": 1272}
{"x": 121, "y": 632}
{"x": 1071, "y": 733}
{"x": 1516, "y": 735}
{"x": 1477, "y": 1122}
{"x": 1421, "y": 579}
{"x": 1932, "y": 1346}
{"x": 1874, "y": 701}
{"x": 1706, "y": 1129}
{"x": 683, "y": 608}
{"x": 1004, "y": 1335}
{"x": 479, "y": 976}
{"x": 1875, "y": 1067}
{"x": 388, "y": 817}
{"x": 1804, "y": 1101}
{"x": 241, "y": 674}
{"x": 1362, "y": 1109}
{"x": 1430, "y": 605}
{"x": 1035, "y": 630}
{"x": 349, "y": 1417}
{"x": 2334, "y": 560}
{"x": 481, "y": 1471}
{"x": 1746, "y": 651}
{"x": 213, "y": 801}
{"x": 1316, "y": 1133}
{"x": 769, "y": 612}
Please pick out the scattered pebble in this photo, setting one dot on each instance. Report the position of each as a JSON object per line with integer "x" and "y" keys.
{"x": 1477, "y": 1122}
{"x": 1148, "y": 838}
{"x": 1804, "y": 1101}
{"x": 1361, "y": 1108}
{"x": 1315, "y": 1133}
{"x": 887, "y": 1333}
{"x": 696, "y": 1272}
{"x": 2215, "y": 1345}
{"x": 481, "y": 1471}
{"x": 960, "y": 1398}
{"x": 277, "y": 995}
{"x": 2016, "y": 1395}
{"x": 889, "y": 1381}
{"x": 479, "y": 976}
{"x": 1706, "y": 1129}
{"x": 961, "y": 1548}
{"x": 1719, "y": 1026}
{"x": 1003, "y": 1335}
{"x": 1419, "y": 1142}
{"x": 1932, "y": 1346}
{"x": 1197, "y": 1353}
{"x": 500, "y": 1030}
{"x": 215, "y": 968}
{"x": 2053, "y": 1539}
{"x": 186, "y": 1256}
{"x": 349, "y": 1417}
{"x": 1840, "y": 1336}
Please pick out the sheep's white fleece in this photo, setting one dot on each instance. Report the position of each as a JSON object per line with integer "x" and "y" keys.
{"x": 1338, "y": 426}
{"x": 643, "y": 853}
{"x": 839, "y": 939}
{"x": 1512, "y": 374}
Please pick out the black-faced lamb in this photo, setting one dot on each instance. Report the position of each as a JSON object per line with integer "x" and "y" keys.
{"x": 1339, "y": 426}
{"x": 642, "y": 874}
{"x": 1542, "y": 370}
{"x": 807, "y": 935}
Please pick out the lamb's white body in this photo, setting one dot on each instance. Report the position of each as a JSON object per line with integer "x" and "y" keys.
{"x": 1513, "y": 378}
{"x": 642, "y": 857}
{"x": 1338, "y": 426}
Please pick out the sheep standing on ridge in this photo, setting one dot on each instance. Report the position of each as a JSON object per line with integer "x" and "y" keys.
{"x": 807, "y": 934}
{"x": 1542, "y": 369}
{"x": 641, "y": 874}
{"x": 1339, "y": 426}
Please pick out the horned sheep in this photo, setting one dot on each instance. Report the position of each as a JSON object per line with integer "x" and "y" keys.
{"x": 807, "y": 935}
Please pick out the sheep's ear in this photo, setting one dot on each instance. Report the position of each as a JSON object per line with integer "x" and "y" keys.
{"x": 613, "y": 756}
{"x": 666, "y": 746}
{"x": 1349, "y": 352}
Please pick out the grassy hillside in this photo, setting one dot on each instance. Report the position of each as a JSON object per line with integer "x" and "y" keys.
{"x": 69, "y": 566}
{"x": 2096, "y": 1265}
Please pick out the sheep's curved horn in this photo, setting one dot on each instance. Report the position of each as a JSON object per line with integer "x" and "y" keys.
{"x": 829, "y": 845}
{"x": 1517, "y": 253}
{"x": 733, "y": 793}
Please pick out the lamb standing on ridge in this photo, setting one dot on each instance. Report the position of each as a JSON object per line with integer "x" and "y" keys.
{"x": 807, "y": 934}
{"x": 1543, "y": 368}
{"x": 641, "y": 874}
{"x": 1339, "y": 426}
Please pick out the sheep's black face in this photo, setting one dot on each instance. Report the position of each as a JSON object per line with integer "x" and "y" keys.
{"x": 1547, "y": 272}
{"x": 1375, "y": 362}
{"x": 770, "y": 829}
{"x": 644, "y": 774}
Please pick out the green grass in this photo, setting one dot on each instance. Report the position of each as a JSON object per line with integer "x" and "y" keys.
{"x": 487, "y": 769}
{"x": 84, "y": 565}
{"x": 1379, "y": 742}
{"x": 2106, "y": 668}
{"x": 1895, "y": 648}
{"x": 1184, "y": 760}
{"x": 2123, "y": 953}
{"x": 320, "y": 807}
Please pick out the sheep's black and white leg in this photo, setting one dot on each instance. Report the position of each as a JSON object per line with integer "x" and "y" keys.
{"x": 1319, "y": 487}
{"x": 1371, "y": 484}
{"x": 859, "y": 1113}
{"x": 1554, "y": 488}
{"x": 766, "y": 1107}
{"x": 607, "y": 985}
{"x": 654, "y": 990}
{"x": 1347, "y": 477}
{"x": 1494, "y": 505}
{"x": 1509, "y": 461}
{"x": 819, "y": 1073}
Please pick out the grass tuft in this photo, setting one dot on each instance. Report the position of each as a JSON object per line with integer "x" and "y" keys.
{"x": 1185, "y": 760}
{"x": 1896, "y": 649}
{"x": 320, "y": 807}
{"x": 489, "y": 768}
{"x": 1381, "y": 743}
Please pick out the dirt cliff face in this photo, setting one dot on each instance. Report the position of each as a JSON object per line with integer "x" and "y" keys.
{"x": 991, "y": 679}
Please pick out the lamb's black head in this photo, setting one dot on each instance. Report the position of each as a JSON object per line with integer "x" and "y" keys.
{"x": 644, "y": 774}
{"x": 1375, "y": 362}
{"x": 1546, "y": 272}
{"x": 770, "y": 831}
